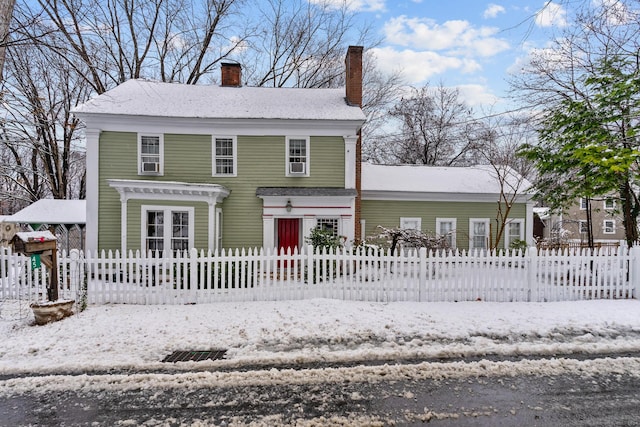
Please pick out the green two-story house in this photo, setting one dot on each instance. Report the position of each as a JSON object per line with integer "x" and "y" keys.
{"x": 174, "y": 166}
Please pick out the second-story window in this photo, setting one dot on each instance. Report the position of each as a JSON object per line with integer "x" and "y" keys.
{"x": 609, "y": 204}
{"x": 297, "y": 156}
{"x": 150, "y": 149}
{"x": 224, "y": 156}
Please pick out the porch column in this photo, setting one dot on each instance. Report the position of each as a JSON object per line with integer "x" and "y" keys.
{"x": 211, "y": 230}
{"x": 308, "y": 224}
{"x": 529, "y": 225}
{"x": 123, "y": 224}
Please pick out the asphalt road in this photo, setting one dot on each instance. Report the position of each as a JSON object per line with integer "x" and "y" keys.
{"x": 570, "y": 399}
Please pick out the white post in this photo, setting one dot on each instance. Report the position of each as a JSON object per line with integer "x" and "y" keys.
{"x": 532, "y": 262}
{"x": 634, "y": 271}
{"x": 422, "y": 285}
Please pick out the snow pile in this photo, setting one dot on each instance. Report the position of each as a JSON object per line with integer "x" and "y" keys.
{"x": 139, "y": 337}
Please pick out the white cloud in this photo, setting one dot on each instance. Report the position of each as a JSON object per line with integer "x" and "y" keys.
{"x": 615, "y": 11}
{"x": 457, "y": 36}
{"x": 476, "y": 95}
{"x": 493, "y": 10}
{"x": 419, "y": 66}
{"x": 355, "y": 5}
{"x": 551, "y": 14}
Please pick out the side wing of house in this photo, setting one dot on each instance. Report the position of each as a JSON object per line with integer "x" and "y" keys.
{"x": 459, "y": 203}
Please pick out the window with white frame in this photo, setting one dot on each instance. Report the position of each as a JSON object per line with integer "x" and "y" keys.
{"x": 167, "y": 228}
{"x": 584, "y": 203}
{"x": 609, "y": 204}
{"x": 328, "y": 224}
{"x": 479, "y": 233}
{"x": 584, "y": 227}
{"x": 411, "y": 223}
{"x": 150, "y": 154}
{"x": 446, "y": 227}
{"x": 609, "y": 226}
{"x": 297, "y": 156}
{"x": 514, "y": 231}
{"x": 224, "y": 156}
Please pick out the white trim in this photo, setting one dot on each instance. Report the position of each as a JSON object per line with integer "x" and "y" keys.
{"x": 486, "y": 221}
{"x": 507, "y": 241}
{"x": 92, "y": 137}
{"x": 307, "y": 162}
{"x": 167, "y": 211}
{"x": 234, "y": 140}
{"x": 350, "y": 161}
{"x": 160, "y": 137}
{"x": 405, "y": 221}
{"x": 412, "y": 196}
{"x": 307, "y": 208}
{"x": 130, "y": 189}
{"x": 202, "y": 126}
{"x": 453, "y": 233}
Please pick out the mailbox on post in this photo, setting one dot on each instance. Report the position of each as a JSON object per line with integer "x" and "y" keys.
{"x": 42, "y": 247}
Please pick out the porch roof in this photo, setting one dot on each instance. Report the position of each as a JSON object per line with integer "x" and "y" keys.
{"x": 305, "y": 192}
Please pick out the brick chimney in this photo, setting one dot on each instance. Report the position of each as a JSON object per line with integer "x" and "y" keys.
{"x": 353, "y": 87}
{"x": 353, "y": 81}
{"x": 231, "y": 74}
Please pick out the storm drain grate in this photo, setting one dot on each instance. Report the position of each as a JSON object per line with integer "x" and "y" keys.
{"x": 194, "y": 355}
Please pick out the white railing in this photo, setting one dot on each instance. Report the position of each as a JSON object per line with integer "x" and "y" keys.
{"x": 358, "y": 274}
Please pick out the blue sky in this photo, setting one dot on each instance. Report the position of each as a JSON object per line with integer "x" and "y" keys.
{"x": 471, "y": 44}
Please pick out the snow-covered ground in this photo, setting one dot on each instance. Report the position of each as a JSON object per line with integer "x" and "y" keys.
{"x": 138, "y": 337}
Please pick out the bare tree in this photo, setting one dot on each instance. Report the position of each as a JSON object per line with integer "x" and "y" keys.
{"x": 171, "y": 40}
{"x": 301, "y": 43}
{"x": 39, "y": 134}
{"x": 6, "y": 12}
{"x": 436, "y": 128}
{"x": 504, "y": 134}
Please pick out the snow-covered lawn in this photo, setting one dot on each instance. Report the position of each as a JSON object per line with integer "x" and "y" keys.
{"x": 139, "y": 337}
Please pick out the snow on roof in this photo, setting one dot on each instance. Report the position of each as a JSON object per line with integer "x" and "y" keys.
{"x": 434, "y": 179}
{"x": 139, "y": 97}
{"x": 52, "y": 211}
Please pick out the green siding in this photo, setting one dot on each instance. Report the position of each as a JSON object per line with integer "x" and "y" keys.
{"x": 388, "y": 214}
{"x": 188, "y": 158}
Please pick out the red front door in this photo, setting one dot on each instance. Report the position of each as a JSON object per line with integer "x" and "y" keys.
{"x": 288, "y": 233}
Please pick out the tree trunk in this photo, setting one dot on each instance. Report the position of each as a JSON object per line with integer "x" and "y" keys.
{"x": 628, "y": 218}
{"x": 6, "y": 12}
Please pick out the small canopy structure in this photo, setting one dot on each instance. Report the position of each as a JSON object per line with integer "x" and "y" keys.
{"x": 69, "y": 218}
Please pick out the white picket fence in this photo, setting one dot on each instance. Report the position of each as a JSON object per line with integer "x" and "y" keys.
{"x": 357, "y": 274}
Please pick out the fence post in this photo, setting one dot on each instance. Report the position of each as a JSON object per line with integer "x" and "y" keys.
{"x": 193, "y": 274}
{"x": 422, "y": 285}
{"x": 634, "y": 271}
{"x": 532, "y": 263}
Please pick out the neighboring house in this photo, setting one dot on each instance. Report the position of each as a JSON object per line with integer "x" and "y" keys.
{"x": 458, "y": 202}
{"x": 182, "y": 166}
{"x": 606, "y": 220}
{"x": 66, "y": 216}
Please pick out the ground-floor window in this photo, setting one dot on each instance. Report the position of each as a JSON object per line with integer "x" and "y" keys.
{"x": 329, "y": 225}
{"x": 167, "y": 228}
{"x": 514, "y": 231}
{"x": 446, "y": 227}
{"x": 479, "y": 233}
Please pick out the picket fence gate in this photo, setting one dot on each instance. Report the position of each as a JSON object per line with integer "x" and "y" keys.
{"x": 361, "y": 274}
